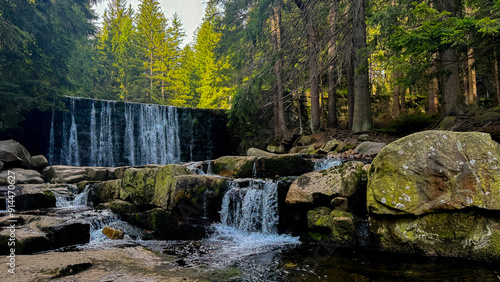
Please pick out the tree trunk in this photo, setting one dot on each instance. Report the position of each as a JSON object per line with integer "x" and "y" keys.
{"x": 362, "y": 119}
{"x": 495, "y": 79}
{"x": 350, "y": 86}
{"x": 396, "y": 93}
{"x": 281, "y": 130}
{"x": 313, "y": 65}
{"x": 452, "y": 98}
{"x": 471, "y": 71}
{"x": 433, "y": 88}
{"x": 332, "y": 100}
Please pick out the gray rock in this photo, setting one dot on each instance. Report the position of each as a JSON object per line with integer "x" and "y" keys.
{"x": 21, "y": 176}
{"x": 320, "y": 186}
{"x": 1, "y": 165}
{"x": 369, "y": 148}
{"x": 254, "y": 152}
{"x": 73, "y": 174}
{"x": 39, "y": 162}
{"x": 13, "y": 154}
{"x": 364, "y": 137}
{"x": 41, "y": 233}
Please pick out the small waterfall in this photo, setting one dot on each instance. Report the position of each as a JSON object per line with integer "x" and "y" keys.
{"x": 327, "y": 163}
{"x": 82, "y": 199}
{"x": 66, "y": 198}
{"x": 252, "y": 209}
{"x": 74, "y": 154}
{"x": 209, "y": 168}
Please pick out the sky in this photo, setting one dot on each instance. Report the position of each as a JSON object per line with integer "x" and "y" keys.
{"x": 190, "y": 11}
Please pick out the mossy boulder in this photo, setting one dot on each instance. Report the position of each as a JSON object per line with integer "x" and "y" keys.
{"x": 193, "y": 196}
{"x": 107, "y": 191}
{"x": 139, "y": 184}
{"x": 233, "y": 166}
{"x": 434, "y": 171}
{"x": 163, "y": 225}
{"x": 149, "y": 185}
{"x": 321, "y": 186}
{"x": 335, "y": 226}
{"x": 343, "y": 147}
{"x": 121, "y": 207}
{"x": 330, "y": 145}
{"x": 467, "y": 234}
{"x": 283, "y": 165}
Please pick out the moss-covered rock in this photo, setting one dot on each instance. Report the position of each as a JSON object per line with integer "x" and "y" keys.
{"x": 337, "y": 226}
{"x": 321, "y": 186}
{"x": 121, "y": 207}
{"x": 330, "y": 145}
{"x": 107, "y": 191}
{"x": 233, "y": 166}
{"x": 433, "y": 171}
{"x": 149, "y": 185}
{"x": 254, "y": 152}
{"x": 283, "y": 165}
{"x": 454, "y": 234}
{"x": 139, "y": 184}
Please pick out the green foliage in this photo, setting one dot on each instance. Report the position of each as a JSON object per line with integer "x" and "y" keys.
{"x": 37, "y": 40}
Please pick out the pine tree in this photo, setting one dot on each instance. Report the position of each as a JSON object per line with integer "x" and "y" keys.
{"x": 151, "y": 33}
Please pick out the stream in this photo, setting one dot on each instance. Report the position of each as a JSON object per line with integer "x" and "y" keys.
{"x": 247, "y": 239}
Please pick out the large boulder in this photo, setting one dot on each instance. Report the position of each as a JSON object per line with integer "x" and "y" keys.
{"x": 74, "y": 174}
{"x": 283, "y": 165}
{"x": 468, "y": 234}
{"x": 233, "y": 166}
{"x": 321, "y": 187}
{"x": 107, "y": 191}
{"x": 437, "y": 193}
{"x": 174, "y": 188}
{"x": 165, "y": 226}
{"x": 13, "y": 154}
{"x": 435, "y": 171}
{"x": 193, "y": 196}
{"x": 33, "y": 197}
{"x": 20, "y": 176}
{"x": 41, "y": 233}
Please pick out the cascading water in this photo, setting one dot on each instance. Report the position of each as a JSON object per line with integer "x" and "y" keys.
{"x": 254, "y": 209}
{"x": 249, "y": 225}
{"x": 326, "y": 163}
{"x": 114, "y": 134}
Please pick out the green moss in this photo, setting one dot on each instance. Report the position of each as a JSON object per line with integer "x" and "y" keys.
{"x": 318, "y": 236}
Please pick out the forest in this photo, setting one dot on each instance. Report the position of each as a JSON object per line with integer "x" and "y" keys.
{"x": 308, "y": 64}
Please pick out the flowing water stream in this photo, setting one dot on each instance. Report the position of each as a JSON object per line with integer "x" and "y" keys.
{"x": 247, "y": 239}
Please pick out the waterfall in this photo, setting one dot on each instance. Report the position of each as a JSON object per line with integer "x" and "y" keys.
{"x": 109, "y": 133}
{"x": 51, "y": 140}
{"x": 93, "y": 136}
{"x": 74, "y": 155}
{"x": 129, "y": 135}
{"x": 252, "y": 209}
